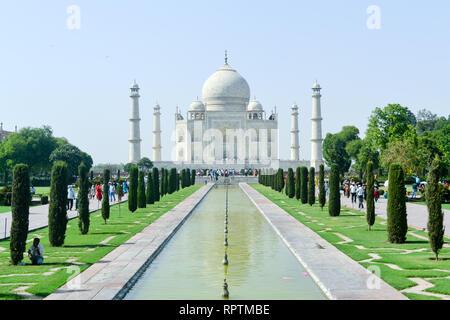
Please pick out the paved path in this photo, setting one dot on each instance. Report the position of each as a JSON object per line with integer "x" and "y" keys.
{"x": 417, "y": 214}
{"x": 112, "y": 276}
{"x": 336, "y": 274}
{"x": 39, "y": 217}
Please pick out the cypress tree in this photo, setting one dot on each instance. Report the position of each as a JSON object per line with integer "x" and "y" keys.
{"x": 304, "y": 185}
{"x": 192, "y": 177}
{"x": 298, "y": 181}
{"x": 290, "y": 183}
{"x": 178, "y": 181}
{"x": 312, "y": 186}
{"x": 83, "y": 204}
{"x": 183, "y": 178}
{"x": 161, "y": 183}
{"x": 396, "y": 208}
{"x": 155, "y": 177}
{"x": 142, "y": 201}
{"x": 166, "y": 182}
{"x": 118, "y": 175}
{"x": 92, "y": 176}
{"x": 322, "y": 192}
{"x": 434, "y": 205}
{"x": 280, "y": 180}
{"x": 105, "y": 200}
{"x": 149, "y": 192}
{"x": 132, "y": 193}
{"x": 20, "y": 205}
{"x": 370, "y": 195}
{"x": 172, "y": 180}
{"x": 334, "y": 203}
{"x": 57, "y": 213}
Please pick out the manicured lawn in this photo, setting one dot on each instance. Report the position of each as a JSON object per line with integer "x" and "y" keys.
{"x": 397, "y": 262}
{"x": 42, "y": 190}
{"x": 79, "y": 251}
{"x": 445, "y": 206}
{"x": 4, "y": 209}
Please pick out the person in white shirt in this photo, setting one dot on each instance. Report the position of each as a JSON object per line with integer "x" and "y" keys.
{"x": 112, "y": 192}
{"x": 36, "y": 252}
{"x": 353, "y": 189}
{"x": 70, "y": 197}
{"x": 360, "y": 194}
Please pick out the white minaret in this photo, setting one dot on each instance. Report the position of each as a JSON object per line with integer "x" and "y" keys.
{"x": 295, "y": 147}
{"x": 135, "y": 132}
{"x": 316, "y": 121}
{"x": 156, "y": 133}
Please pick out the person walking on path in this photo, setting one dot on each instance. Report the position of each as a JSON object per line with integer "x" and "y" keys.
{"x": 112, "y": 192}
{"x": 36, "y": 252}
{"x": 353, "y": 189}
{"x": 376, "y": 195}
{"x": 360, "y": 194}
{"x": 125, "y": 187}
{"x": 70, "y": 197}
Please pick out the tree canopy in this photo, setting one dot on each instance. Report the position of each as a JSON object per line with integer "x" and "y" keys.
{"x": 73, "y": 156}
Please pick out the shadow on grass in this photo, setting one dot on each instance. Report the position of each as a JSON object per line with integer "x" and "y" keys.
{"x": 416, "y": 242}
{"x": 90, "y": 246}
{"x": 111, "y": 233}
{"x": 6, "y": 296}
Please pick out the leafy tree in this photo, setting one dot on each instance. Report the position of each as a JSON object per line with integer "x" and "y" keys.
{"x": 150, "y": 193}
{"x": 391, "y": 122}
{"x": 142, "y": 202}
{"x": 426, "y": 121}
{"x": 145, "y": 164}
{"x": 132, "y": 193}
{"x": 155, "y": 178}
{"x": 367, "y": 153}
{"x": 403, "y": 152}
{"x": 334, "y": 147}
{"x": 396, "y": 209}
{"x": 71, "y": 155}
{"x": 434, "y": 204}
{"x": 127, "y": 167}
{"x": 20, "y": 212}
{"x": 297, "y": 182}
{"x": 291, "y": 183}
{"x": 322, "y": 192}
{"x": 105, "y": 198}
{"x": 370, "y": 195}
{"x": 304, "y": 185}
{"x": 334, "y": 201}
{"x": 57, "y": 213}
{"x": 311, "y": 186}
{"x": 83, "y": 204}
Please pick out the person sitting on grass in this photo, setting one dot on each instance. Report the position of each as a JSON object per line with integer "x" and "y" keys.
{"x": 36, "y": 252}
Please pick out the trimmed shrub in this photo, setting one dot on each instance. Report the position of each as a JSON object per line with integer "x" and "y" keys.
{"x": 298, "y": 183}
{"x": 434, "y": 204}
{"x": 304, "y": 185}
{"x": 322, "y": 192}
{"x": 105, "y": 191}
{"x": 280, "y": 180}
{"x": 397, "y": 225}
{"x": 57, "y": 213}
{"x": 172, "y": 180}
{"x": 370, "y": 195}
{"x": 183, "y": 178}
{"x": 312, "y": 186}
{"x": 132, "y": 193}
{"x": 83, "y": 198}
{"x": 192, "y": 177}
{"x": 142, "y": 201}
{"x": 166, "y": 182}
{"x": 20, "y": 212}
{"x": 291, "y": 183}
{"x": 150, "y": 199}
{"x": 155, "y": 179}
{"x": 334, "y": 202}
{"x": 44, "y": 200}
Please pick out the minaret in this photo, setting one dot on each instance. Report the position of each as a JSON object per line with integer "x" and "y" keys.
{"x": 157, "y": 133}
{"x": 295, "y": 147}
{"x": 316, "y": 136}
{"x": 135, "y": 132}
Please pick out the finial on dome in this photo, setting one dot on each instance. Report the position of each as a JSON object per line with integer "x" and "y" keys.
{"x": 226, "y": 57}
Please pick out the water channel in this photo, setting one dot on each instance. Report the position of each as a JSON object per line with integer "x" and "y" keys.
{"x": 260, "y": 265}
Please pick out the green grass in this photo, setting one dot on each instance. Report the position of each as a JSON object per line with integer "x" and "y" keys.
{"x": 42, "y": 190}
{"x": 4, "y": 209}
{"x": 445, "y": 206}
{"x": 85, "y": 249}
{"x": 352, "y": 224}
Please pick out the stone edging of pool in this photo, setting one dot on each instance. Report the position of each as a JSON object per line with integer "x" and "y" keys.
{"x": 114, "y": 275}
{"x": 339, "y": 276}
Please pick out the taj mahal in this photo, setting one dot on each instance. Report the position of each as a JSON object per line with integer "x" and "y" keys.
{"x": 225, "y": 129}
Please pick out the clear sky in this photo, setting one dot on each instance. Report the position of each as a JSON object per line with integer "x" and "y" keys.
{"x": 77, "y": 81}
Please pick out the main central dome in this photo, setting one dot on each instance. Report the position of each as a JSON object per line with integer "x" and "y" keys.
{"x": 226, "y": 90}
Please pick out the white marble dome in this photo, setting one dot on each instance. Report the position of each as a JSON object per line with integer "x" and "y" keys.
{"x": 197, "y": 106}
{"x": 254, "y": 106}
{"x": 226, "y": 90}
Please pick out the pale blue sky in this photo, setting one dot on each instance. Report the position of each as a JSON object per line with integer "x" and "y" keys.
{"x": 77, "y": 81}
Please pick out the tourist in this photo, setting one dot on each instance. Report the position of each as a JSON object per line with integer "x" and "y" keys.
{"x": 36, "y": 252}
{"x": 124, "y": 186}
{"x": 414, "y": 186}
{"x": 32, "y": 190}
{"x": 353, "y": 189}
{"x": 98, "y": 190}
{"x": 112, "y": 192}
{"x": 326, "y": 188}
{"x": 376, "y": 195}
{"x": 92, "y": 192}
{"x": 70, "y": 197}
{"x": 360, "y": 194}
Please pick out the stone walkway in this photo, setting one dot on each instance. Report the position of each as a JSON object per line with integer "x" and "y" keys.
{"x": 39, "y": 217}
{"x": 112, "y": 276}
{"x": 417, "y": 214}
{"x": 336, "y": 274}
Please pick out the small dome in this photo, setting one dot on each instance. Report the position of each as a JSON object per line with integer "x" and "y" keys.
{"x": 134, "y": 85}
{"x": 316, "y": 85}
{"x": 254, "y": 106}
{"x": 197, "y": 106}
